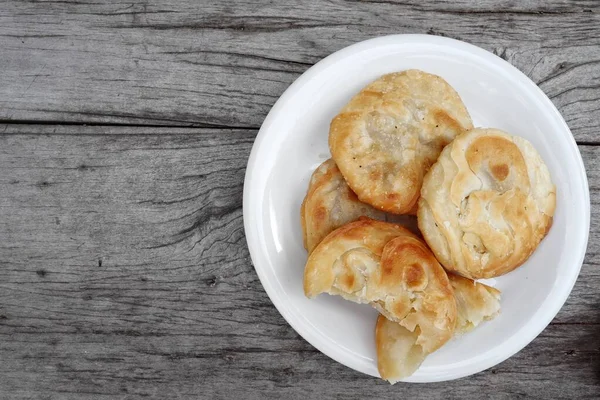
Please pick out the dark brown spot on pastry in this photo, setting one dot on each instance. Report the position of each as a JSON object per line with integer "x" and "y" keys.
{"x": 499, "y": 171}
{"x": 320, "y": 214}
{"x": 414, "y": 276}
{"x": 348, "y": 280}
{"x": 443, "y": 118}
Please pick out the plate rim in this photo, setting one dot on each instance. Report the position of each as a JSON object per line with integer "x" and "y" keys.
{"x": 399, "y": 39}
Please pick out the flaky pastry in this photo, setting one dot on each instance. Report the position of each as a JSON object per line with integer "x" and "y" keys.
{"x": 399, "y": 355}
{"x": 389, "y": 134}
{"x": 475, "y": 302}
{"x": 329, "y": 204}
{"x": 385, "y": 265}
{"x": 486, "y": 203}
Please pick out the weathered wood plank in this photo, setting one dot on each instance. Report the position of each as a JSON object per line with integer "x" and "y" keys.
{"x": 564, "y": 360}
{"x": 225, "y": 63}
{"x": 124, "y": 273}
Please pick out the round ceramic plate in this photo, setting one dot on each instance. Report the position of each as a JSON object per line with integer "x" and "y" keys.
{"x": 293, "y": 142}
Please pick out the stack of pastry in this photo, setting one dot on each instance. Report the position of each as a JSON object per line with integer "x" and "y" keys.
{"x": 483, "y": 199}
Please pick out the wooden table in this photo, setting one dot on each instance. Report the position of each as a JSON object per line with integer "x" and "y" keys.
{"x": 124, "y": 135}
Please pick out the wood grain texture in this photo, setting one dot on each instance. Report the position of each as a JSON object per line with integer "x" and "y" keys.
{"x": 223, "y": 64}
{"x": 124, "y": 270}
{"x": 124, "y": 274}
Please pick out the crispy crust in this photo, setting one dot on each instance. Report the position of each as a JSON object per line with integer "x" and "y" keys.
{"x": 387, "y": 266}
{"x": 389, "y": 134}
{"x": 486, "y": 204}
{"x": 475, "y": 302}
{"x": 399, "y": 354}
{"x": 329, "y": 204}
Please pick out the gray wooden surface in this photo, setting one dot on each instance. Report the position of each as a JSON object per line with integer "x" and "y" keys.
{"x": 125, "y": 128}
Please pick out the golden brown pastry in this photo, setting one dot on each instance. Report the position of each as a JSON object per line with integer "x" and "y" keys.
{"x": 398, "y": 353}
{"x": 475, "y": 302}
{"x": 385, "y": 265}
{"x": 329, "y": 204}
{"x": 389, "y": 134}
{"x": 486, "y": 203}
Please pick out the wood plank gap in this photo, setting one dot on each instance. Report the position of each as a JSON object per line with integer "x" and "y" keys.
{"x": 7, "y": 122}
{"x": 587, "y": 143}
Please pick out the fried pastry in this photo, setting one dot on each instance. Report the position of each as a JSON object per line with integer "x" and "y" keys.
{"x": 385, "y": 265}
{"x": 389, "y": 134}
{"x": 398, "y": 353}
{"x": 486, "y": 203}
{"x": 329, "y": 204}
{"x": 475, "y": 303}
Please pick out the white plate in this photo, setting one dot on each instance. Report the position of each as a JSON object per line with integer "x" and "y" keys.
{"x": 293, "y": 142}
